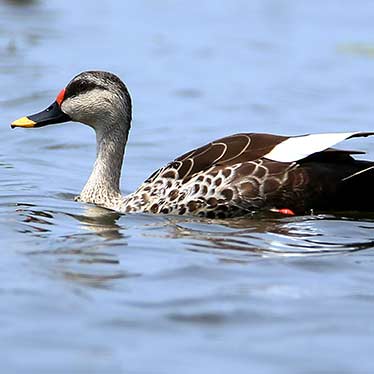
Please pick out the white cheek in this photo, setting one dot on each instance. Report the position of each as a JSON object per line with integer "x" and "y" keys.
{"x": 67, "y": 107}
{"x": 80, "y": 108}
{"x": 97, "y": 108}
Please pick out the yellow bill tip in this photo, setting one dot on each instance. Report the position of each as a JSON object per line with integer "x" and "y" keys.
{"x": 23, "y": 122}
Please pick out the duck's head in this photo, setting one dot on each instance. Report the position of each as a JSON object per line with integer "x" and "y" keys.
{"x": 95, "y": 98}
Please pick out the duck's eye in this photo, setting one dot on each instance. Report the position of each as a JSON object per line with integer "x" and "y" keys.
{"x": 79, "y": 87}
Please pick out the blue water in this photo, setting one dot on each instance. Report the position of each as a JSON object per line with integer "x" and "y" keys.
{"x": 84, "y": 290}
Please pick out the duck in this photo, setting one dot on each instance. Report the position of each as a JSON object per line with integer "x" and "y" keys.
{"x": 233, "y": 176}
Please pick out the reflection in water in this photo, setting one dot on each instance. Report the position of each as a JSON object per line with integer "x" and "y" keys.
{"x": 97, "y": 280}
{"x": 73, "y": 252}
{"x": 35, "y": 220}
{"x": 93, "y": 254}
{"x": 269, "y": 236}
{"x": 100, "y": 221}
{"x": 261, "y": 235}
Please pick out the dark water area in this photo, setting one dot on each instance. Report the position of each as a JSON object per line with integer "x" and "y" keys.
{"x": 86, "y": 290}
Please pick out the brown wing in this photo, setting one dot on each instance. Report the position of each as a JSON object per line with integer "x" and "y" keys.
{"x": 226, "y": 151}
{"x": 232, "y": 150}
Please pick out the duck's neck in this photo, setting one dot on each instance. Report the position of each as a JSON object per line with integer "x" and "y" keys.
{"x": 103, "y": 185}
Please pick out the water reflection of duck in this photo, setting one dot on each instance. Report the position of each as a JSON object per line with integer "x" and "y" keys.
{"x": 232, "y": 176}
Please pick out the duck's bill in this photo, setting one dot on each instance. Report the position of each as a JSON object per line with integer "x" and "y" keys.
{"x": 53, "y": 114}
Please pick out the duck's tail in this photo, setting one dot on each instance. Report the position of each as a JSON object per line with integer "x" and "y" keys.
{"x": 356, "y": 191}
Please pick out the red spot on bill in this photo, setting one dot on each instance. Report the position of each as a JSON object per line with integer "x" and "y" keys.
{"x": 60, "y": 96}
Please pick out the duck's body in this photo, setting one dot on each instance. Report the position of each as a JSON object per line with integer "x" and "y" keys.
{"x": 229, "y": 177}
{"x": 217, "y": 182}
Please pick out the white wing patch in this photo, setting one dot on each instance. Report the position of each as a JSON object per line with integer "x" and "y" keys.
{"x": 298, "y": 147}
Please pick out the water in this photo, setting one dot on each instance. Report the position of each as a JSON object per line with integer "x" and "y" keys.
{"x": 84, "y": 290}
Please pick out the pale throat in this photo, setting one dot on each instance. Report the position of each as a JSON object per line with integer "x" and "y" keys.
{"x": 104, "y": 180}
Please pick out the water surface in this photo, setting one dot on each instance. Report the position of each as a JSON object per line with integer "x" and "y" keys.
{"x": 85, "y": 290}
